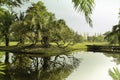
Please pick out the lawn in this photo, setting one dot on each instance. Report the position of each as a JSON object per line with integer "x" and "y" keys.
{"x": 52, "y": 50}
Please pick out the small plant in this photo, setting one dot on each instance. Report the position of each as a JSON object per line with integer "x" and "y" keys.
{"x": 115, "y": 73}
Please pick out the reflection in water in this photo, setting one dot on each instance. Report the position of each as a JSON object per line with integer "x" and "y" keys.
{"x": 115, "y": 56}
{"x": 114, "y": 72}
{"x": 28, "y": 67}
{"x": 94, "y": 66}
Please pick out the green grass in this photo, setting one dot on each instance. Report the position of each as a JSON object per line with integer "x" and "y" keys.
{"x": 82, "y": 46}
{"x": 53, "y": 50}
{"x": 11, "y": 43}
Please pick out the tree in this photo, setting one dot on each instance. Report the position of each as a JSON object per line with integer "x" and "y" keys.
{"x": 78, "y": 38}
{"x": 62, "y": 35}
{"x": 114, "y": 35}
{"x": 37, "y": 18}
{"x": 112, "y": 39}
{"x": 18, "y": 29}
{"x": 11, "y": 2}
{"x": 6, "y": 19}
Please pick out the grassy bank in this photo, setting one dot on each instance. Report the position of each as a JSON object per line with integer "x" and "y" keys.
{"x": 53, "y": 50}
{"x": 83, "y": 46}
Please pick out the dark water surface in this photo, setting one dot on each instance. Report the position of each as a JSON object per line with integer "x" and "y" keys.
{"x": 76, "y": 66}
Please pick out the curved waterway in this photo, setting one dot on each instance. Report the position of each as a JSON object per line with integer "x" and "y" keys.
{"x": 79, "y": 65}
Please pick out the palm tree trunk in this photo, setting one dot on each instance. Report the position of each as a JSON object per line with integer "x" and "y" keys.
{"x": 6, "y": 53}
{"x": 6, "y": 40}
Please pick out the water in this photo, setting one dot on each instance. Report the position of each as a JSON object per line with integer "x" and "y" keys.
{"x": 77, "y": 66}
{"x": 94, "y": 66}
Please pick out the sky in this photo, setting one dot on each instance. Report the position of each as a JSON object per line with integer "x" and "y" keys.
{"x": 105, "y": 15}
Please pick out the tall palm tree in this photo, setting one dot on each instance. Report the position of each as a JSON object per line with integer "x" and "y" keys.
{"x": 39, "y": 20}
{"x": 36, "y": 17}
{"x": 6, "y": 19}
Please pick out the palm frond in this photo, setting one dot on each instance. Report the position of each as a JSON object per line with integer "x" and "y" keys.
{"x": 2, "y": 68}
{"x": 115, "y": 74}
{"x": 85, "y": 6}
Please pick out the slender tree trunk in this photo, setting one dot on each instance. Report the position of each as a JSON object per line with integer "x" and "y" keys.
{"x": 6, "y": 53}
{"x": 6, "y": 40}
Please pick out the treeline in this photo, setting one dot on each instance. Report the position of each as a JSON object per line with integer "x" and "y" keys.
{"x": 35, "y": 25}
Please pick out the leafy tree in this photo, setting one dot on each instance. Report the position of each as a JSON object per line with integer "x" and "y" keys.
{"x": 78, "y": 38}
{"x": 37, "y": 19}
{"x": 11, "y": 2}
{"x": 112, "y": 39}
{"x": 18, "y": 29}
{"x": 61, "y": 33}
{"x": 114, "y": 35}
{"x": 6, "y": 19}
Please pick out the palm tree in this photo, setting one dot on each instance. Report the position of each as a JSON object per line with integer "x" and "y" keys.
{"x": 39, "y": 20}
{"x": 35, "y": 18}
{"x": 116, "y": 31}
{"x": 114, "y": 35}
{"x": 6, "y": 19}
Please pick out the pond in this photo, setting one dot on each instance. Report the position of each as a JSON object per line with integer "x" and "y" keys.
{"x": 79, "y": 65}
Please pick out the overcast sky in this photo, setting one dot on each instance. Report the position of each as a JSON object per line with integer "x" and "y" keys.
{"x": 105, "y": 15}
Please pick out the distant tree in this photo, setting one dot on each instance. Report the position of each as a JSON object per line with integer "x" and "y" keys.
{"x": 78, "y": 38}
{"x": 96, "y": 38}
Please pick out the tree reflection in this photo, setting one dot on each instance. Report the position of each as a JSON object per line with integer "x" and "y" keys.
{"x": 115, "y": 56}
{"x": 28, "y": 67}
{"x": 115, "y": 72}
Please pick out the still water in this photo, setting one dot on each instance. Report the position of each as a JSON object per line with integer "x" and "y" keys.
{"x": 77, "y": 66}
{"x": 94, "y": 66}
